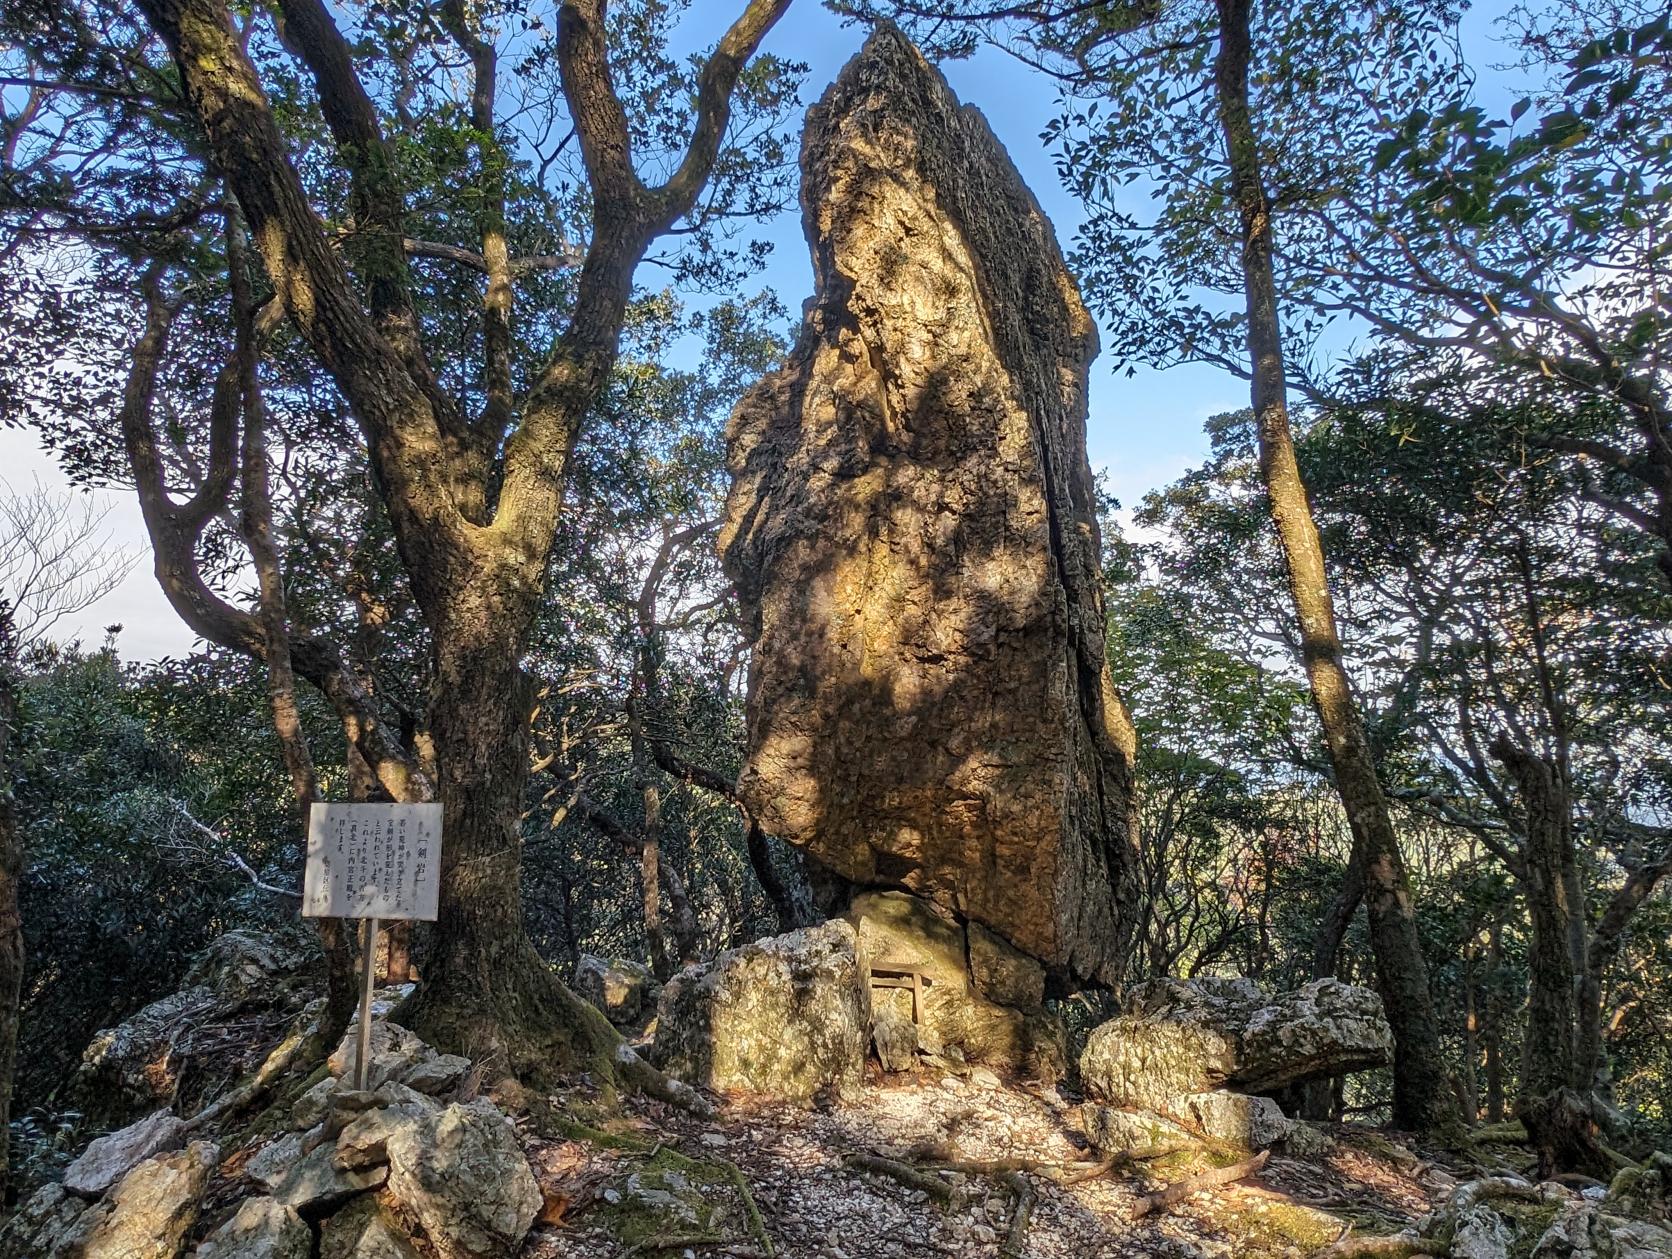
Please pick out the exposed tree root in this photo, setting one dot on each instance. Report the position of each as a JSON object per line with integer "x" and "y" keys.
{"x": 1179, "y": 1190}
{"x": 1019, "y": 1216}
{"x": 1398, "y": 1246}
{"x": 298, "y": 1047}
{"x": 905, "y": 1173}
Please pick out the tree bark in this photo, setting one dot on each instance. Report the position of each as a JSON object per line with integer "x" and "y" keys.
{"x": 486, "y": 993}
{"x": 1422, "y": 1098}
{"x": 1491, "y": 1032}
{"x": 1554, "y": 1103}
{"x": 256, "y": 525}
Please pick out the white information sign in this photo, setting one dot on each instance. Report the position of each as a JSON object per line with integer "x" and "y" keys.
{"x": 373, "y": 861}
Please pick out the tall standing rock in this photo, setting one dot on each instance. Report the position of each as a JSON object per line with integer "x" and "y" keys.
{"x": 913, "y": 535}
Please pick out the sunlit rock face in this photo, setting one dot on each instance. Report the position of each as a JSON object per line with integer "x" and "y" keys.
{"x": 913, "y": 535}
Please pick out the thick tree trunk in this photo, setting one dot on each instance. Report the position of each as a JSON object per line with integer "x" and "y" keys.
{"x": 486, "y": 992}
{"x": 11, "y": 869}
{"x": 1421, "y": 1096}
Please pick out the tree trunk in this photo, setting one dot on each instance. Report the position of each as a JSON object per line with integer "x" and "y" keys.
{"x": 1491, "y": 1032}
{"x": 11, "y": 870}
{"x": 1421, "y": 1098}
{"x": 256, "y": 526}
{"x": 1554, "y": 1102}
{"x": 777, "y": 891}
{"x": 486, "y": 993}
{"x": 1469, "y": 1081}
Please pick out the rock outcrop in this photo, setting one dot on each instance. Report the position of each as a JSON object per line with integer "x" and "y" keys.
{"x": 111, "y": 1157}
{"x": 1201, "y": 1053}
{"x": 389, "y": 1173}
{"x": 912, "y": 530}
{"x": 787, "y": 1016}
{"x": 1189, "y": 1036}
{"x": 1505, "y": 1217}
{"x": 137, "y": 1065}
{"x": 982, "y": 1001}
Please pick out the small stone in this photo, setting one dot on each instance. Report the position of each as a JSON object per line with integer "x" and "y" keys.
{"x": 394, "y": 1051}
{"x": 621, "y": 988}
{"x": 108, "y": 1159}
{"x": 262, "y": 1228}
{"x": 311, "y": 1108}
{"x": 981, "y": 1077}
{"x": 716, "y": 1140}
{"x": 1249, "y": 1123}
{"x": 435, "y": 1076}
{"x": 364, "y": 1229}
{"x": 308, "y": 1182}
{"x": 151, "y": 1210}
{"x": 460, "y": 1172}
{"x": 364, "y": 1142}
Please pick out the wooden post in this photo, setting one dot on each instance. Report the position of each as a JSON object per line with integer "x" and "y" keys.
{"x": 368, "y": 970}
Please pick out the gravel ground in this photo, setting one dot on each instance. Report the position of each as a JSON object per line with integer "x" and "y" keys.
{"x": 814, "y": 1205}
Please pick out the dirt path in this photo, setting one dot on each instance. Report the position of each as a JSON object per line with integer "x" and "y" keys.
{"x": 674, "y": 1192}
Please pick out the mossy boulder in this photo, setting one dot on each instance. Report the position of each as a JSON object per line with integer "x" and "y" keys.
{"x": 1181, "y": 1037}
{"x": 786, "y": 1017}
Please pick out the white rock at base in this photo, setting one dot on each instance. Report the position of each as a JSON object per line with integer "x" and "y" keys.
{"x": 152, "y": 1208}
{"x": 111, "y": 1157}
{"x": 262, "y": 1228}
{"x": 460, "y": 1172}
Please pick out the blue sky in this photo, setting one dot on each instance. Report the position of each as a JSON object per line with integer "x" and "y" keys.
{"x": 1144, "y": 430}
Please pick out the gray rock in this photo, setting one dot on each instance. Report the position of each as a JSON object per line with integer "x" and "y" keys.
{"x": 1481, "y": 1234}
{"x": 912, "y": 531}
{"x": 1249, "y": 1123}
{"x": 460, "y": 1173}
{"x": 150, "y": 1212}
{"x": 435, "y": 1076}
{"x": 364, "y": 1142}
{"x": 621, "y": 988}
{"x": 262, "y": 1228}
{"x": 786, "y": 1016}
{"x": 1117, "y": 1131}
{"x": 302, "y": 1175}
{"x": 42, "y": 1224}
{"x": 109, "y": 1158}
{"x": 365, "y": 1229}
{"x": 1322, "y": 1029}
{"x": 1307, "y": 1140}
{"x": 1182, "y": 1037}
{"x": 248, "y": 965}
{"x": 893, "y": 1034}
{"x": 395, "y": 1051}
{"x": 312, "y": 1107}
{"x": 132, "y": 1068}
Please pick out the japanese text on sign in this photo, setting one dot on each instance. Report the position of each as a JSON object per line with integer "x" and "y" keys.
{"x": 373, "y": 861}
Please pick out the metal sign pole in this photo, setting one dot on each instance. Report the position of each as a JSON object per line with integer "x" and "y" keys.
{"x": 368, "y": 966}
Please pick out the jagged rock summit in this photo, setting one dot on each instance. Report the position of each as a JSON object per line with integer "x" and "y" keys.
{"x": 913, "y": 535}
